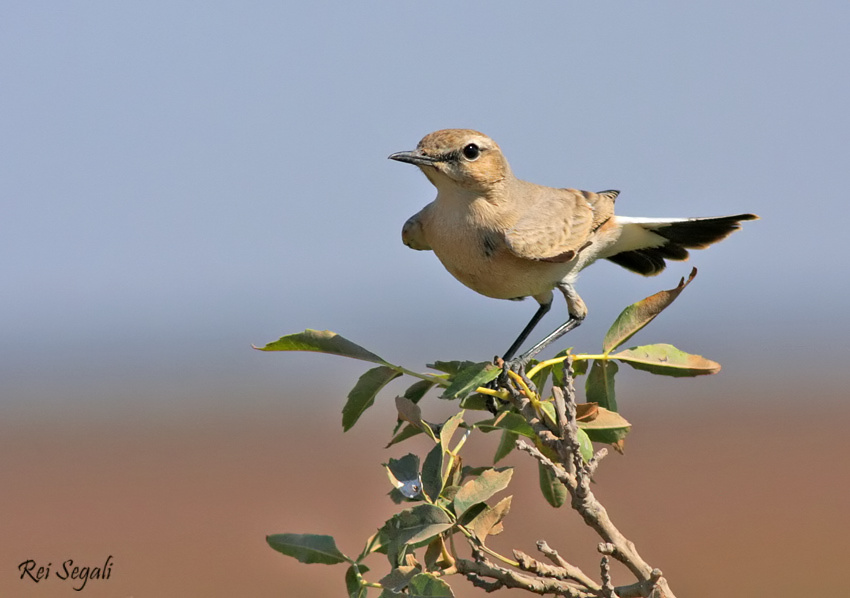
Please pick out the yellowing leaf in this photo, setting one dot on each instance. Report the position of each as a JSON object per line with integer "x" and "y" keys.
{"x": 586, "y": 411}
{"x": 667, "y": 360}
{"x": 607, "y": 427}
{"x": 481, "y": 488}
{"x": 639, "y": 314}
{"x": 604, "y": 419}
{"x": 489, "y": 521}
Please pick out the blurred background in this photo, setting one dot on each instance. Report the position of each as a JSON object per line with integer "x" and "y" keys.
{"x": 179, "y": 181}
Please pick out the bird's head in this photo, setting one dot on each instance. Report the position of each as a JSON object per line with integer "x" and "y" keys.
{"x": 459, "y": 157}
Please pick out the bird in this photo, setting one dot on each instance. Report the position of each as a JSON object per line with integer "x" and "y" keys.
{"x": 507, "y": 238}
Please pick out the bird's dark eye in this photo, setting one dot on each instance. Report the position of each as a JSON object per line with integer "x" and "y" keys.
{"x": 471, "y": 152}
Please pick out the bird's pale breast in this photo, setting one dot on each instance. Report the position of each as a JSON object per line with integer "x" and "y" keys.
{"x": 477, "y": 256}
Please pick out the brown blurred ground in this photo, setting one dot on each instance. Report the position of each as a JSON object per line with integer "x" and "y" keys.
{"x": 750, "y": 505}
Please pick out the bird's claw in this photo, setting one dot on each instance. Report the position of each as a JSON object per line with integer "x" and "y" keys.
{"x": 517, "y": 366}
{"x": 500, "y": 382}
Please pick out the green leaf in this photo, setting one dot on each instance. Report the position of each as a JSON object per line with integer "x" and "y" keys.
{"x": 599, "y": 385}
{"x": 605, "y": 436}
{"x": 476, "y": 402}
{"x": 667, "y": 360}
{"x": 376, "y": 543}
{"x": 308, "y": 548}
{"x": 585, "y": 447}
{"x": 450, "y": 367}
{"x": 469, "y": 471}
{"x": 506, "y": 445}
{"x": 417, "y": 390}
{"x": 472, "y": 512}
{"x": 553, "y": 490}
{"x": 362, "y": 396}
{"x": 539, "y": 379}
{"x": 579, "y": 369}
{"x": 559, "y": 369}
{"x": 639, "y": 314}
{"x": 352, "y": 581}
{"x": 419, "y": 524}
{"x": 470, "y": 378}
{"x": 481, "y": 488}
{"x": 399, "y": 578}
{"x": 426, "y": 585}
{"x": 432, "y": 473}
{"x": 550, "y": 418}
{"x": 408, "y": 431}
{"x": 322, "y": 341}
{"x": 507, "y": 421}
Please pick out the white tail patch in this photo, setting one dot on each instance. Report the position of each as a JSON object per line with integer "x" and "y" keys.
{"x": 636, "y": 233}
{"x": 650, "y": 221}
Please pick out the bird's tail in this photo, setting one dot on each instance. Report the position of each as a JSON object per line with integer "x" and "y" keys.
{"x": 645, "y": 243}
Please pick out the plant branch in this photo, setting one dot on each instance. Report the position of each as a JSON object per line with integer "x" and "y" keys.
{"x": 572, "y": 572}
{"x": 479, "y": 570}
{"x": 565, "y": 572}
{"x": 576, "y": 475}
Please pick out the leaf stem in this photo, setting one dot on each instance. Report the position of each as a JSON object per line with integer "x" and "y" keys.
{"x": 435, "y": 378}
{"x": 521, "y": 383}
{"x": 479, "y": 544}
{"x": 545, "y": 364}
{"x": 556, "y": 360}
{"x": 585, "y": 356}
{"x": 499, "y": 394}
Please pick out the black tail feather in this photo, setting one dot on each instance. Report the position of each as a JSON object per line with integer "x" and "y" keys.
{"x": 699, "y": 233}
{"x": 695, "y": 233}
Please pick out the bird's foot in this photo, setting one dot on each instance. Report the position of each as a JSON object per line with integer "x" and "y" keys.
{"x": 511, "y": 379}
{"x": 495, "y": 404}
{"x": 518, "y": 381}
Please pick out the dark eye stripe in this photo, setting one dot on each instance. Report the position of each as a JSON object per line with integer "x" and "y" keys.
{"x": 456, "y": 155}
{"x": 452, "y": 156}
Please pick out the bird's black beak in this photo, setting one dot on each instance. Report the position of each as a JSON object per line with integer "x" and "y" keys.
{"x": 415, "y": 157}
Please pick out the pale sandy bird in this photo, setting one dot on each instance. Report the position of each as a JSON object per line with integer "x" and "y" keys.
{"x": 509, "y": 239}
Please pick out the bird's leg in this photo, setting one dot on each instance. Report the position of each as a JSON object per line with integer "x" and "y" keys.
{"x": 505, "y": 362}
{"x": 577, "y": 311}
{"x": 549, "y": 339}
{"x": 535, "y": 319}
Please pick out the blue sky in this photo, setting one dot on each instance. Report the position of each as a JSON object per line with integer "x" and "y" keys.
{"x": 180, "y": 180}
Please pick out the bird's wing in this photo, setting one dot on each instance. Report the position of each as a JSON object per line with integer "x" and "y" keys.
{"x": 413, "y": 233}
{"x": 556, "y": 224}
